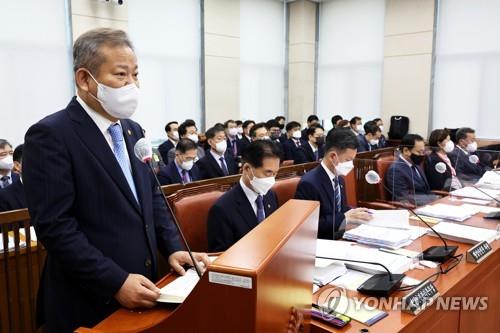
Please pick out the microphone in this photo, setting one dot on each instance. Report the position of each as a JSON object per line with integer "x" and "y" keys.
{"x": 379, "y": 284}
{"x": 144, "y": 152}
{"x": 433, "y": 253}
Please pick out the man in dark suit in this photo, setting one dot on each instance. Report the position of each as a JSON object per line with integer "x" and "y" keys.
{"x": 312, "y": 120}
{"x": 406, "y": 178}
{"x": 370, "y": 139}
{"x": 218, "y": 161}
{"x": 313, "y": 149}
{"x": 171, "y": 142}
{"x": 245, "y": 137}
{"x": 325, "y": 184}
{"x": 464, "y": 159}
{"x": 7, "y": 177}
{"x": 94, "y": 206}
{"x": 381, "y": 140}
{"x": 12, "y": 197}
{"x": 187, "y": 130}
{"x": 293, "y": 141}
{"x": 249, "y": 202}
{"x": 182, "y": 170}
{"x": 231, "y": 130}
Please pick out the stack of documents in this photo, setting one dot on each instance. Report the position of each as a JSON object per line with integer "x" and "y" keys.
{"x": 393, "y": 218}
{"x": 378, "y": 236}
{"x": 177, "y": 290}
{"x": 449, "y": 212}
{"x": 490, "y": 179}
{"x": 471, "y": 192}
{"x": 464, "y": 233}
{"x": 326, "y": 270}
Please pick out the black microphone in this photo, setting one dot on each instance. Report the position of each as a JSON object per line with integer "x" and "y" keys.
{"x": 379, "y": 284}
{"x": 433, "y": 253}
{"x": 144, "y": 152}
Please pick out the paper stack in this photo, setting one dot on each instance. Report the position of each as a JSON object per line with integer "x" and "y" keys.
{"x": 449, "y": 212}
{"x": 490, "y": 179}
{"x": 464, "y": 233}
{"x": 471, "y": 192}
{"x": 379, "y": 236}
{"x": 392, "y": 218}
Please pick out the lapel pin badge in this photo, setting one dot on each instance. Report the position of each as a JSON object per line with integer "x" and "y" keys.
{"x": 129, "y": 132}
{"x": 268, "y": 205}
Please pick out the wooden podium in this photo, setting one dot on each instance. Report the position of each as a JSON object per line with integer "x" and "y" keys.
{"x": 263, "y": 283}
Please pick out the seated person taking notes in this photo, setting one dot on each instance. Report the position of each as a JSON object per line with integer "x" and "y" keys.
{"x": 325, "y": 184}
{"x": 182, "y": 170}
{"x": 250, "y": 201}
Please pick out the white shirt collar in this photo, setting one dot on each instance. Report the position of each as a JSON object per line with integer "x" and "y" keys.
{"x": 404, "y": 159}
{"x": 312, "y": 147}
{"x": 465, "y": 151}
{"x": 101, "y": 122}
{"x": 330, "y": 174}
{"x": 216, "y": 156}
{"x": 251, "y": 195}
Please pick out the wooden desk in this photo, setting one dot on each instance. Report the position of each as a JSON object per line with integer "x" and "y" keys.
{"x": 464, "y": 280}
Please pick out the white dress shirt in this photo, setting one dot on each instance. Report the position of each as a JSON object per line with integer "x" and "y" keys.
{"x": 217, "y": 158}
{"x": 251, "y": 196}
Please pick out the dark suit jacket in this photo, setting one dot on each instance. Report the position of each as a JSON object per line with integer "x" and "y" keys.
{"x": 86, "y": 216}
{"x": 14, "y": 177}
{"x": 406, "y": 186}
{"x": 466, "y": 170}
{"x": 305, "y": 154}
{"x": 170, "y": 175}
{"x": 290, "y": 149}
{"x": 243, "y": 144}
{"x": 437, "y": 181}
{"x": 316, "y": 185}
{"x": 209, "y": 167}
{"x": 364, "y": 145}
{"x": 12, "y": 197}
{"x": 164, "y": 148}
{"x": 232, "y": 217}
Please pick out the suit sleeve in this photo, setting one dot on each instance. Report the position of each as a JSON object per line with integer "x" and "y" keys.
{"x": 300, "y": 156}
{"x": 397, "y": 182}
{"x": 220, "y": 236}
{"x": 307, "y": 191}
{"x": 48, "y": 180}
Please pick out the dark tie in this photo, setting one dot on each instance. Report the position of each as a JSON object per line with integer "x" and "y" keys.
{"x": 316, "y": 155}
{"x": 261, "y": 215}
{"x": 235, "y": 148}
{"x": 5, "y": 181}
{"x": 223, "y": 166}
{"x": 297, "y": 143}
{"x": 338, "y": 196}
{"x": 184, "y": 177}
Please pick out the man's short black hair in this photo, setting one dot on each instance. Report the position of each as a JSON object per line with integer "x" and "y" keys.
{"x": 311, "y": 130}
{"x": 377, "y": 119}
{"x": 312, "y": 117}
{"x": 184, "y": 145}
{"x": 256, "y": 127}
{"x": 227, "y": 122}
{"x": 212, "y": 132}
{"x": 291, "y": 125}
{"x": 183, "y": 127}
{"x": 341, "y": 139}
{"x": 336, "y": 118}
{"x": 4, "y": 143}
{"x": 279, "y": 118}
{"x": 371, "y": 127}
{"x": 354, "y": 120}
{"x": 238, "y": 122}
{"x": 247, "y": 123}
{"x": 272, "y": 123}
{"x": 18, "y": 154}
{"x": 409, "y": 140}
{"x": 461, "y": 133}
{"x": 167, "y": 126}
{"x": 258, "y": 150}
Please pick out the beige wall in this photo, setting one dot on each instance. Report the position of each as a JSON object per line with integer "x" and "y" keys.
{"x": 87, "y": 15}
{"x": 409, "y": 27}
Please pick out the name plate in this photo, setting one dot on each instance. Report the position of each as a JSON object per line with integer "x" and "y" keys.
{"x": 420, "y": 298}
{"x": 478, "y": 252}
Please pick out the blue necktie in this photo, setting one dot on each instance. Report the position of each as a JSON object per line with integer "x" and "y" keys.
{"x": 338, "y": 197}
{"x": 223, "y": 166}
{"x": 119, "y": 149}
{"x": 316, "y": 155}
{"x": 261, "y": 215}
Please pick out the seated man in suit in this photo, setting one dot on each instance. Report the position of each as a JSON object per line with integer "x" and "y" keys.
{"x": 245, "y": 137}
{"x": 467, "y": 164}
{"x": 187, "y": 130}
{"x": 171, "y": 142}
{"x": 325, "y": 184}
{"x": 12, "y": 197}
{"x": 313, "y": 149}
{"x": 219, "y": 161}
{"x": 405, "y": 178}
{"x": 292, "y": 144}
{"x": 7, "y": 177}
{"x": 380, "y": 124}
{"x": 356, "y": 125}
{"x": 249, "y": 202}
{"x": 335, "y": 122}
{"x": 281, "y": 124}
{"x": 312, "y": 120}
{"x": 370, "y": 140}
{"x": 182, "y": 170}
{"x": 259, "y": 131}
{"x": 232, "y": 138}
{"x": 239, "y": 129}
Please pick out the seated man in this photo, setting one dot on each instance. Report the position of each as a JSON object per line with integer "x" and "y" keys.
{"x": 335, "y": 122}
{"x": 293, "y": 141}
{"x": 249, "y": 202}
{"x": 219, "y": 161}
{"x": 325, "y": 184}
{"x": 232, "y": 137}
{"x": 469, "y": 169}
{"x": 313, "y": 149}
{"x": 187, "y": 130}
{"x": 312, "y": 120}
{"x": 259, "y": 131}
{"x": 370, "y": 140}
{"x": 171, "y": 142}
{"x": 380, "y": 124}
{"x": 405, "y": 178}
{"x": 7, "y": 177}
{"x": 245, "y": 137}
{"x": 182, "y": 170}
{"x": 12, "y": 197}
{"x": 356, "y": 125}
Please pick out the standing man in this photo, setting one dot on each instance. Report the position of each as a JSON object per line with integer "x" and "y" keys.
{"x": 94, "y": 206}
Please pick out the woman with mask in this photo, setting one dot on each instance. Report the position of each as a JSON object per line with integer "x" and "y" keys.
{"x": 313, "y": 149}
{"x": 439, "y": 170}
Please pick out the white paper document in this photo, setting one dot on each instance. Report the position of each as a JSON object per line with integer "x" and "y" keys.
{"x": 379, "y": 236}
{"x": 464, "y": 233}
{"x": 392, "y": 218}
{"x": 450, "y": 212}
{"x": 471, "y": 192}
{"x": 177, "y": 290}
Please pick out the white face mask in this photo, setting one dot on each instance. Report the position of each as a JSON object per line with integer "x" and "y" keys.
{"x": 240, "y": 130}
{"x": 187, "y": 165}
{"x": 7, "y": 163}
{"x": 448, "y": 148}
{"x": 297, "y": 135}
{"x": 175, "y": 136}
{"x": 374, "y": 142}
{"x": 262, "y": 185}
{"x": 381, "y": 128}
{"x": 233, "y": 131}
{"x": 193, "y": 137}
{"x": 472, "y": 147}
{"x": 221, "y": 147}
{"x": 360, "y": 128}
{"x": 342, "y": 169}
{"x": 265, "y": 138}
{"x": 120, "y": 102}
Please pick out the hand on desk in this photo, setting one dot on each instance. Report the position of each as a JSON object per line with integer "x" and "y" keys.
{"x": 137, "y": 292}
{"x": 179, "y": 258}
{"x": 358, "y": 215}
